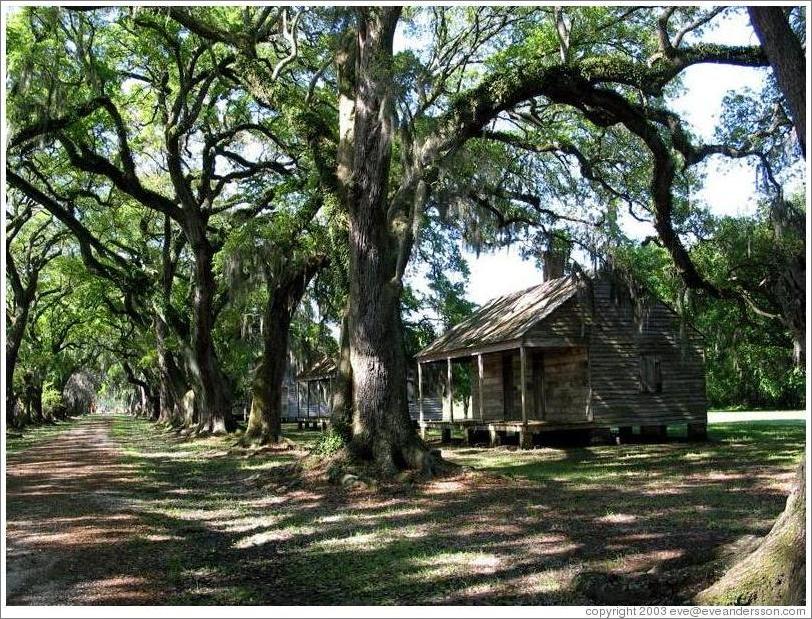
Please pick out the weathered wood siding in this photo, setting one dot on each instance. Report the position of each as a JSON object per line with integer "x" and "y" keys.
{"x": 557, "y": 379}
{"x": 493, "y": 393}
{"x": 432, "y": 408}
{"x": 618, "y": 338}
{"x": 567, "y": 325}
{"x": 583, "y": 364}
{"x": 566, "y": 385}
{"x": 493, "y": 408}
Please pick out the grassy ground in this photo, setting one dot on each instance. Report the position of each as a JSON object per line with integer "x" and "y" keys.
{"x": 539, "y": 527}
{"x": 20, "y": 439}
{"x": 604, "y": 509}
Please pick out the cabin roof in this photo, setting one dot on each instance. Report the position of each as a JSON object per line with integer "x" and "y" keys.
{"x": 504, "y": 318}
{"x": 321, "y": 370}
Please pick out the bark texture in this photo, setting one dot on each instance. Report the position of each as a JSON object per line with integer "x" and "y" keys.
{"x": 787, "y": 59}
{"x": 265, "y": 419}
{"x": 171, "y": 383}
{"x": 775, "y": 573}
{"x": 341, "y": 397}
{"x": 212, "y": 401}
{"x": 381, "y": 426}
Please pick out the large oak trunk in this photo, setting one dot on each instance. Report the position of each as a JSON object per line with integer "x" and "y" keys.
{"x": 381, "y": 427}
{"x": 341, "y": 396}
{"x": 212, "y": 395}
{"x": 172, "y": 386}
{"x": 787, "y": 59}
{"x": 265, "y": 419}
{"x": 264, "y": 422}
{"x": 775, "y": 573}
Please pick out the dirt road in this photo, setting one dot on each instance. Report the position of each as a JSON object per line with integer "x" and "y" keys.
{"x": 68, "y": 516}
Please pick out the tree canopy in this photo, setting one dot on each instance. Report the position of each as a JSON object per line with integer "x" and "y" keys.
{"x": 185, "y": 182}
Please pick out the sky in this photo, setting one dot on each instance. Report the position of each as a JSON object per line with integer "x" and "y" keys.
{"x": 728, "y": 190}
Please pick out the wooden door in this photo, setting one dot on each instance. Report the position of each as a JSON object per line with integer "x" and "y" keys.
{"x": 508, "y": 388}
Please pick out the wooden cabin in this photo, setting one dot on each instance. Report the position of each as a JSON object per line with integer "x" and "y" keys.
{"x": 313, "y": 388}
{"x": 306, "y": 400}
{"x": 573, "y": 353}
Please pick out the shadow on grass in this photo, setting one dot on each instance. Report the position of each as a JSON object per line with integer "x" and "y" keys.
{"x": 18, "y": 439}
{"x": 185, "y": 523}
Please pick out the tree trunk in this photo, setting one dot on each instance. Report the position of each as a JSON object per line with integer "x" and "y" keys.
{"x": 341, "y": 396}
{"x": 32, "y": 399}
{"x": 12, "y": 414}
{"x": 212, "y": 395}
{"x": 171, "y": 386}
{"x": 166, "y": 399}
{"x": 381, "y": 427}
{"x": 264, "y": 421}
{"x": 787, "y": 59}
{"x": 775, "y": 573}
{"x": 35, "y": 394}
{"x": 15, "y": 338}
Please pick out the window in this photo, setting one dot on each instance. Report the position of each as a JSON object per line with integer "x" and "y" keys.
{"x": 651, "y": 377}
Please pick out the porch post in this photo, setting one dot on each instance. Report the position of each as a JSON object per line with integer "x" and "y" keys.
{"x": 480, "y": 372}
{"x": 524, "y": 436}
{"x": 308, "y": 401}
{"x": 420, "y": 397}
{"x": 330, "y": 395}
{"x": 523, "y": 383}
{"x": 450, "y": 392}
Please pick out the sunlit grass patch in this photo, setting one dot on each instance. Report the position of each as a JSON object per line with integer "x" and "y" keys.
{"x": 463, "y": 539}
{"x": 18, "y": 440}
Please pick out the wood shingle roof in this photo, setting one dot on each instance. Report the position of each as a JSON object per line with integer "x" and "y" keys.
{"x": 504, "y": 318}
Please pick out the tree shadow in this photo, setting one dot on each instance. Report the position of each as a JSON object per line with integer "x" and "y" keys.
{"x": 169, "y": 523}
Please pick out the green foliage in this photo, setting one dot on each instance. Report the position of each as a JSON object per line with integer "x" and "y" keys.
{"x": 749, "y": 358}
{"x": 440, "y": 265}
{"x": 51, "y": 399}
{"x": 329, "y": 443}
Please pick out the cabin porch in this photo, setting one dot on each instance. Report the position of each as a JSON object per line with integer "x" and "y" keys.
{"x": 499, "y": 432}
{"x": 517, "y": 388}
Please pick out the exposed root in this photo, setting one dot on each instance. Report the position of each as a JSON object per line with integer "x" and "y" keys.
{"x": 775, "y": 572}
{"x": 349, "y": 470}
{"x": 258, "y": 439}
{"x": 248, "y": 447}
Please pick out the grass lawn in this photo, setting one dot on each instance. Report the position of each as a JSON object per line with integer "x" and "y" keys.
{"x": 18, "y": 440}
{"x": 527, "y": 527}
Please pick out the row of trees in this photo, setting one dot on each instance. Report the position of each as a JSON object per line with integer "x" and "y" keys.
{"x": 178, "y": 177}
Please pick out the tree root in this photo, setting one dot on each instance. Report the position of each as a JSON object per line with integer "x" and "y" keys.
{"x": 259, "y": 438}
{"x": 775, "y": 572}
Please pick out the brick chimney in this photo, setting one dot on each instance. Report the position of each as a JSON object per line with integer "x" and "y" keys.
{"x": 553, "y": 262}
